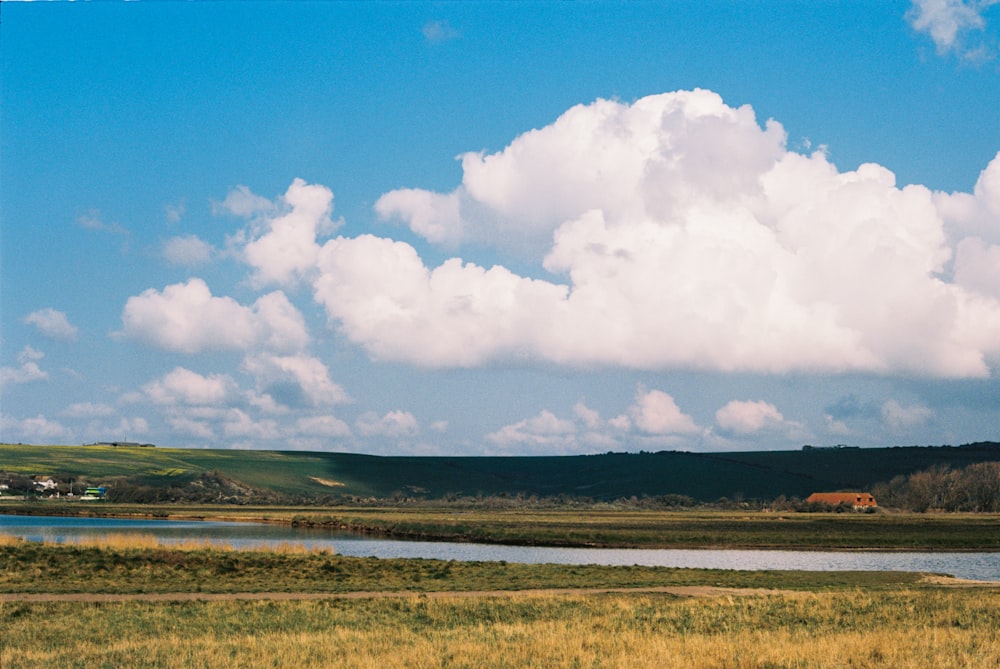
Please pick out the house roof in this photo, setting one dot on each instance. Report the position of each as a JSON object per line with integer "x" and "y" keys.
{"x": 834, "y": 498}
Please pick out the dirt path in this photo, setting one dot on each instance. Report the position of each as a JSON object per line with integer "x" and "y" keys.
{"x": 675, "y": 590}
{"x": 679, "y": 591}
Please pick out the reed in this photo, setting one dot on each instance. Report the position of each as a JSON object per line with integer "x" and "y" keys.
{"x": 135, "y": 541}
{"x": 125, "y": 541}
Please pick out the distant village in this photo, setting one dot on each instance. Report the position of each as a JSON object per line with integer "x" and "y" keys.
{"x": 49, "y": 487}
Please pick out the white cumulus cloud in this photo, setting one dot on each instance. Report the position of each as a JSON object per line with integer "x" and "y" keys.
{"x": 683, "y": 235}
{"x": 656, "y": 413}
{"x": 977, "y": 267}
{"x": 182, "y": 386}
{"x": 238, "y": 423}
{"x": 626, "y": 160}
{"x": 545, "y": 429}
{"x": 322, "y": 426}
{"x": 394, "y": 424}
{"x": 187, "y": 318}
{"x": 282, "y": 248}
{"x": 295, "y": 379}
{"x": 748, "y": 417}
{"x": 37, "y": 429}
{"x": 689, "y": 237}
{"x": 653, "y": 417}
{"x": 458, "y": 314}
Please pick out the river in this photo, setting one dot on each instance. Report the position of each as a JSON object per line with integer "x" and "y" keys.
{"x": 970, "y": 565}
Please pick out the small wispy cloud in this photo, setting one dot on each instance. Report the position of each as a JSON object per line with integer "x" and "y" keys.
{"x": 899, "y": 418}
{"x": 187, "y": 250}
{"x": 53, "y": 324}
{"x": 94, "y": 220}
{"x": 174, "y": 212}
{"x": 394, "y": 424}
{"x": 242, "y": 202}
{"x": 436, "y": 32}
{"x": 951, "y": 23}
{"x": 28, "y": 371}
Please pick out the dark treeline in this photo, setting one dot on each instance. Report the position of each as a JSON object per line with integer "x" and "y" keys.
{"x": 972, "y": 488}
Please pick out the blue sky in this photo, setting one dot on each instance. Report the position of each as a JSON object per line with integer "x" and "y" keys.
{"x": 500, "y": 228}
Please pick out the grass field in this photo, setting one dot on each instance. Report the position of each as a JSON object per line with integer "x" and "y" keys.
{"x": 701, "y": 476}
{"x": 899, "y": 628}
{"x": 470, "y": 614}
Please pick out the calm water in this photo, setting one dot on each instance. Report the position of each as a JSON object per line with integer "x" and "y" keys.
{"x": 979, "y": 566}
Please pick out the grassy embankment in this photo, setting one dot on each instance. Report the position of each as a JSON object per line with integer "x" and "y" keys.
{"x": 599, "y": 525}
{"x": 617, "y": 528}
{"x": 127, "y": 565}
{"x": 898, "y": 624}
{"x": 816, "y": 620}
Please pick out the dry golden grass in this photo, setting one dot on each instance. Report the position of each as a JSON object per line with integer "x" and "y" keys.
{"x": 904, "y": 629}
{"x": 130, "y": 541}
{"x": 138, "y": 541}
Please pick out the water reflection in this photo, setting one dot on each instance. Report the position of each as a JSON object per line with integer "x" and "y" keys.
{"x": 978, "y": 566}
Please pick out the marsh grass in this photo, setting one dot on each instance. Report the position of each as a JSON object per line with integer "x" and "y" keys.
{"x": 903, "y": 628}
{"x": 64, "y": 568}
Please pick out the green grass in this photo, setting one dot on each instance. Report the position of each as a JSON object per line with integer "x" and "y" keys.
{"x": 616, "y": 528}
{"x": 705, "y": 476}
{"x": 54, "y": 568}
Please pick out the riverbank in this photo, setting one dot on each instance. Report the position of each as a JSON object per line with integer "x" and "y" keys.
{"x": 121, "y": 567}
{"x": 128, "y": 603}
{"x": 592, "y": 527}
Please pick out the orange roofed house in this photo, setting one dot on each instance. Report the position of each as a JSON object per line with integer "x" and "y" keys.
{"x": 861, "y": 501}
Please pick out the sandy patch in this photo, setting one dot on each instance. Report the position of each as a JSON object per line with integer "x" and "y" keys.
{"x": 327, "y": 482}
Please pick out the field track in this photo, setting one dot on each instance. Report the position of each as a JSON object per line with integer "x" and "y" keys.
{"x": 678, "y": 591}
{"x": 674, "y": 590}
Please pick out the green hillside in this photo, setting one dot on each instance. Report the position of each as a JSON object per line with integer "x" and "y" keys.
{"x": 702, "y": 476}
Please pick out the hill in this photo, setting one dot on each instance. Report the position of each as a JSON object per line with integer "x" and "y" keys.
{"x": 302, "y": 475}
